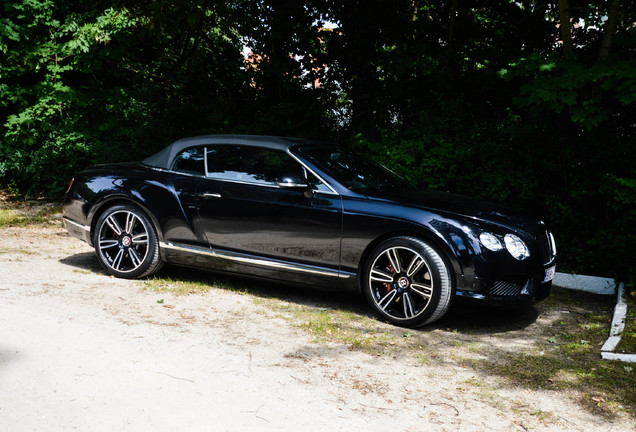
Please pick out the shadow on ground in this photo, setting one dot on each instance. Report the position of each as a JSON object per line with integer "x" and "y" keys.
{"x": 465, "y": 316}
{"x": 84, "y": 261}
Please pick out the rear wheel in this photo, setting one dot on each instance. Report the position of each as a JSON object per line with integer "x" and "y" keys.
{"x": 126, "y": 242}
{"x": 407, "y": 282}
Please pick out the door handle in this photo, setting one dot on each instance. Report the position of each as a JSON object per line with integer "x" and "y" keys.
{"x": 210, "y": 195}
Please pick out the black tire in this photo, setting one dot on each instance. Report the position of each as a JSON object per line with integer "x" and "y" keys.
{"x": 407, "y": 282}
{"x": 126, "y": 242}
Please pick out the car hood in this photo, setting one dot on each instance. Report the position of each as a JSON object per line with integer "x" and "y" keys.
{"x": 470, "y": 208}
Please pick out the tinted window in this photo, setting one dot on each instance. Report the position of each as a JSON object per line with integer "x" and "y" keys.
{"x": 317, "y": 184}
{"x": 190, "y": 161}
{"x": 250, "y": 164}
{"x": 354, "y": 171}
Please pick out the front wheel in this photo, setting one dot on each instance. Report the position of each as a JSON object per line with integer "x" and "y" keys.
{"x": 126, "y": 242}
{"x": 407, "y": 282}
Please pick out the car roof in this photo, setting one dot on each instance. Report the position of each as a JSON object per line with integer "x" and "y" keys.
{"x": 164, "y": 158}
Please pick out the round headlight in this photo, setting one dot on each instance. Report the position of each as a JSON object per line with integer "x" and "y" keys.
{"x": 516, "y": 247}
{"x": 490, "y": 242}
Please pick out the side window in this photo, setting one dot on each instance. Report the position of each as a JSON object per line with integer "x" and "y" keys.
{"x": 250, "y": 164}
{"x": 190, "y": 161}
{"x": 317, "y": 184}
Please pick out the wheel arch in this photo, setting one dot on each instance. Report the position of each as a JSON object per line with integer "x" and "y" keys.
{"x": 427, "y": 236}
{"x": 119, "y": 199}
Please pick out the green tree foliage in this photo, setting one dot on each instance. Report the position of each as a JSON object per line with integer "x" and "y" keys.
{"x": 530, "y": 103}
{"x": 84, "y": 82}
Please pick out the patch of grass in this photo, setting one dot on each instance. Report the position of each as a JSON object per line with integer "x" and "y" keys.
{"x": 48, "y": 215}
{"x": 423, "y": 358}
{"x": 493, "y": 399}
{"x": 628, "y": 337}
{"x": 184, "y": 281}
{"x": 543, "y": 416}
{"x": 339, "y": 326}
{"x": 567, "y": 358}
{"x": 175, "y": 286}
{"x": 475, "y": 382}
{"x": 85, "y": 272}
{"x": 10, "y": 217}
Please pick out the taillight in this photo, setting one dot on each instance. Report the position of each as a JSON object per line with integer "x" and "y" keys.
{"x": 69, "y": 185}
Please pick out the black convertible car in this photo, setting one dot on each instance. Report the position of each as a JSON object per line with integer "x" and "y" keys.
{"x": 309, "y": 213}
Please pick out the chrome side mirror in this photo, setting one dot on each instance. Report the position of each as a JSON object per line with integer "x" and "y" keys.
{"x": 293, "y": 182}
{"x": 296, "y": 182}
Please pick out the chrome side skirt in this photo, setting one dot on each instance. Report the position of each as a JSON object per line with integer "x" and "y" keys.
{"x": 78, "y": 230}
{"x": 257, "y": 261}
{"x": 77, "y": 225}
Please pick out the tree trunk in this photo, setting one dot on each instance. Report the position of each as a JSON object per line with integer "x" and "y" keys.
{"x": 566, "y": 33}
{"x": 610, "y": 30}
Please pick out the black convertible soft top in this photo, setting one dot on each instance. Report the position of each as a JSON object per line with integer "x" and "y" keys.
{"x": 164, "y": 158}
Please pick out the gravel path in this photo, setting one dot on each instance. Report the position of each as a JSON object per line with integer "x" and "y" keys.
{"x": 83, "y": 351}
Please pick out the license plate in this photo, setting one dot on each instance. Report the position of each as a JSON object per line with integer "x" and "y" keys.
{"x": 549, "y": 274}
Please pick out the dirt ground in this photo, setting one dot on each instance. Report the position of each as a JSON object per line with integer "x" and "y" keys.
{"x": 83, "y": 351}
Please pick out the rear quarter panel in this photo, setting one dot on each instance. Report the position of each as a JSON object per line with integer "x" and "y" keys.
{"x": 167, "y": 198}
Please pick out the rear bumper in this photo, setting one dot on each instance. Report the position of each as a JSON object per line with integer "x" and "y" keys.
{"x": 78, "y": 230}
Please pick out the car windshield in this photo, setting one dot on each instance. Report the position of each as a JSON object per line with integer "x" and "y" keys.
{"x": 356, "y": 172}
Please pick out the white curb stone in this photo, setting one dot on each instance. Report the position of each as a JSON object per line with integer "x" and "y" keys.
{"x": 592, "y": 284}
{"x": 618, "y": 325}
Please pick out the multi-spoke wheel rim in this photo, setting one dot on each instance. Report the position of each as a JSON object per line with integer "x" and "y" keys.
{"x": 123, "y": 241}
{"x": 401, "y": 283}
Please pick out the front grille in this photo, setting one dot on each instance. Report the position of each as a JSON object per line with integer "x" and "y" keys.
{"x": 505, "y": 289}
{"x": 548, "y": 251}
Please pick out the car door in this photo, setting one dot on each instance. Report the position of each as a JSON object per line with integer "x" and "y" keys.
{"x": 243, "y": 211}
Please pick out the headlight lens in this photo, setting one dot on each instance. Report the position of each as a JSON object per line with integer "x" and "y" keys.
{"x": 516, "y": 247}
{"x": 490, "y": 242}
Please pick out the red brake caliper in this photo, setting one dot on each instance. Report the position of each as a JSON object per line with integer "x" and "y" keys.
{"x": 387, "y": 286}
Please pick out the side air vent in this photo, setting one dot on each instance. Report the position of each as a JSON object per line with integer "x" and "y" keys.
{"x": 505, "y": 289}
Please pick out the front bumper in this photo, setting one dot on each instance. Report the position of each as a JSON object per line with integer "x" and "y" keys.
{"x": 513, "y": 293}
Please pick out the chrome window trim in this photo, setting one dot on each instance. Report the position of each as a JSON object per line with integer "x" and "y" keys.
{"x": 256, "y": 260}
{"x": 274, "y": 186}
{"x": 206, "y": 175}
{"x": 333, "y": 191}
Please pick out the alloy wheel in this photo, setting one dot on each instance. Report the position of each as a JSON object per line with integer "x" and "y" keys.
{"x": 400, "y": 283}
{"x": 123, "y": 241}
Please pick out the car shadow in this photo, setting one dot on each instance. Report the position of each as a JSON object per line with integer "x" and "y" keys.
{"x": 84, "y": 261}
{"x": 302, "y": 295}
{"x": 464, "y": 316}
{"x": 472, "y": 317}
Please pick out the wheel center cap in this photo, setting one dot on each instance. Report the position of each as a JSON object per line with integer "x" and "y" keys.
{"x": 403, "y": 282}
{"x": 126, "y": 241}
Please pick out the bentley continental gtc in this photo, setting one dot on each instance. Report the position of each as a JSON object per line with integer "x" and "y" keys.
{"x": 308, "y": 213}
